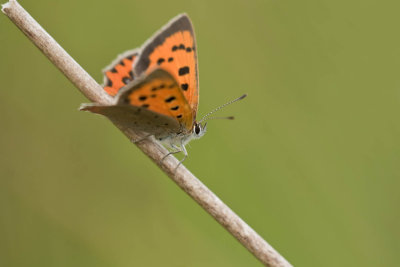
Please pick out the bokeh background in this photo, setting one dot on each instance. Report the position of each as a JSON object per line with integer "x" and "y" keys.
{"x": 311, "y": 162}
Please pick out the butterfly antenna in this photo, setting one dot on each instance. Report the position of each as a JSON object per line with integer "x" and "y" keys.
{"x": 218, "y": 108}
{"x": 221, "y": 118}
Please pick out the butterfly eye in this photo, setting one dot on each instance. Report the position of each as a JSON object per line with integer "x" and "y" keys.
{"x": 197, "y": 129}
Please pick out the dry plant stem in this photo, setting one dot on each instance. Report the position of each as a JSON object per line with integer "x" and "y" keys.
{"x": 183, "y": 177}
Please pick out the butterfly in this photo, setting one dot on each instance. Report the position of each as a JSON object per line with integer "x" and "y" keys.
{"x": 156, "y": 87}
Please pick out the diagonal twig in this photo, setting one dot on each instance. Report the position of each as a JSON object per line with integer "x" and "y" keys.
{"x": 183, "y": 177}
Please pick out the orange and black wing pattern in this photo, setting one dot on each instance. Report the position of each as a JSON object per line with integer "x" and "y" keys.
{"x": 119, "y": 72}
{"x": 153, "y": 103}
{"x": 173, "y": 49}
{"x": 160, "y": 93}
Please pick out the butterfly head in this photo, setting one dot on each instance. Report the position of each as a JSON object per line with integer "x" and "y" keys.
{"x": 199, "y": 130}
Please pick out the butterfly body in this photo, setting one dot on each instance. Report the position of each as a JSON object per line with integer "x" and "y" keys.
{"x": 155, "y": 87}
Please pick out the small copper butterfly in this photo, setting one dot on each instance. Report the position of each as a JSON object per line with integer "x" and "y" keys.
{"x": 156, "y": 87}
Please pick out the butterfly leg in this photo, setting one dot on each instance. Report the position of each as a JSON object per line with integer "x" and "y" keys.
{"x": 184, "y": 157}
{"x": 171, "y": 152}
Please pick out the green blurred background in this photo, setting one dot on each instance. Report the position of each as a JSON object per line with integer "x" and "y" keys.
{"x": 311, "y": 163}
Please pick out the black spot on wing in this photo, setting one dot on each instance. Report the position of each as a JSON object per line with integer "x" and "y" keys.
{"x": 145, "y": 105}
{"x": 122, "y": 63}
{"x": 160, "y": 60}
{"x": 170, "y": 99}
{"x": 170, "y": 59}
{"x": 161, "y": 86}
{"x": 184, "y": 86}
{"x": 109, "y": 83}
{"x": 188, "y": 49}
{"x": 179, "y": 116}
{"x": 182, "y": 46}
{"x": 113, "y": 70}
{"x": 174, "y": 48}
{"x": 175, "y": 108}
{"x": 142, "y": 98}
{"x": 126, "y": 80}
{"x": 183, "y": 71}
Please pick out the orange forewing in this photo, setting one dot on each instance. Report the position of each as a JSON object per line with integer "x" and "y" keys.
{"x": 119, "y": 74}
{"x": 177, "y": 56}
{"x": 160, "y": 93}
{"x": 174, "y": 50}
